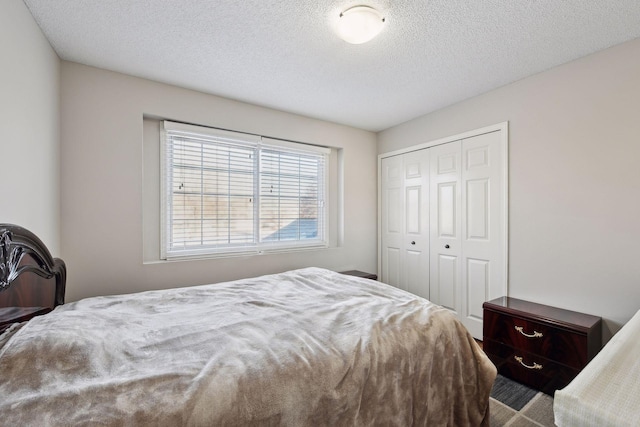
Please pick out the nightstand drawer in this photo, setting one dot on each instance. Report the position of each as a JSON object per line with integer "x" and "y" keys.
{"x": 536, "y": 338}
{"x": 528, "y": 368}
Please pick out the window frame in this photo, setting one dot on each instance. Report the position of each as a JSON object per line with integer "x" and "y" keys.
{"x": 258, "y": 143}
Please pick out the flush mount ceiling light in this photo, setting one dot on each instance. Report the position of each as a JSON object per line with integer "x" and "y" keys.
{"x": 360, "y": 24}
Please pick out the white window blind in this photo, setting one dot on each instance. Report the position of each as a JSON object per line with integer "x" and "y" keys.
{"x": 228, "y": 193}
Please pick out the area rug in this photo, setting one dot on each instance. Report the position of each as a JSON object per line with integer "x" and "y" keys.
{"x": 515, "y": 405}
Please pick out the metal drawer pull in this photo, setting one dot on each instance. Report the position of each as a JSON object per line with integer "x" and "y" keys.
{"x": 535, "y": 334}
{"x": 534, "y": 366}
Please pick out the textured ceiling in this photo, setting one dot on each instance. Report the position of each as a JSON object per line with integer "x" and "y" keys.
{"x": 285, "y": 54}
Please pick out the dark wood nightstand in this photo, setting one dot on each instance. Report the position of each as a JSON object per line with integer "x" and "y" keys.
{"x": 541, "y": 346}
{"x": 359, "y": 273}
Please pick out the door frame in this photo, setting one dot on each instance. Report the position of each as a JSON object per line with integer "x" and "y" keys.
{"x": 504, "y": 139}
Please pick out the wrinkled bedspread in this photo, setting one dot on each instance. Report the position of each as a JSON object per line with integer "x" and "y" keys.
{"x": 303, "y": 348}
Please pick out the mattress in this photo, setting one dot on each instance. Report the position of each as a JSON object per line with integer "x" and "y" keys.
{"x": 607, "y": 391}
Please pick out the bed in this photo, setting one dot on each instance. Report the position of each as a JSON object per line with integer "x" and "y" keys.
{"x": 304, "y": 347}
{"x": 607, "y": 391}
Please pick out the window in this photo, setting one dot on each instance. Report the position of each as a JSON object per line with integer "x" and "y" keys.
{"x": 232, "y": 193}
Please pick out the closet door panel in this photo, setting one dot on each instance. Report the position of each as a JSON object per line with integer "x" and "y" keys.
{"x": 416, "y": 222}
{"x": 477, "y": 209}
{"x": 447, "y": 209}
{"x": 405, "y": 222}
{"x": 391, "y": 266}
{"x": 477, "y": 283}
{"x": 483, "y": 225}
{"x": 413, "y": 210}
{"x": 445, "y": 217}
{"x": 392, "y": 203}
{"x": 446, "y": 281}
{"x": 394, "y": 213}
{"x": 416, "y": 278}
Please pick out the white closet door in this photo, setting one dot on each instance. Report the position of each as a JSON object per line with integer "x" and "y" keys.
{"x": 416, "y": 223}
{"x": 443, "y": 222}
{"x": 405, "y": 222}
{"x": 446, "y": 248}
{"x": 482, "y": 227}
{"x": 392, "y": 196}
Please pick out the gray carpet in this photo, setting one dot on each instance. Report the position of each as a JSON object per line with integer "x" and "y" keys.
{"x": 516, "y": 405}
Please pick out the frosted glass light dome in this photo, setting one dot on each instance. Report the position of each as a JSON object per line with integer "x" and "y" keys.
{"x": 360, "y": 24}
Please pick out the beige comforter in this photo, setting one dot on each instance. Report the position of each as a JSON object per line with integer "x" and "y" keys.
{"x": 304, "y": 348}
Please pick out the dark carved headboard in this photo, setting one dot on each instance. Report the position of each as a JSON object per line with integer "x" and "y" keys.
{"x": 32, "y": 282}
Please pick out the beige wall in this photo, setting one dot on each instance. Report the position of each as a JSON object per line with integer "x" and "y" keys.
{"x": 29, "y": 126}
{"x": 102, "y": 183}
{"x": 574, "y": 197}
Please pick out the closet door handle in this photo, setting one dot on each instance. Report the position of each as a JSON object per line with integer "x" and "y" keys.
{"x": 413, "y": 242}
{"x": 446, "y": 246}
